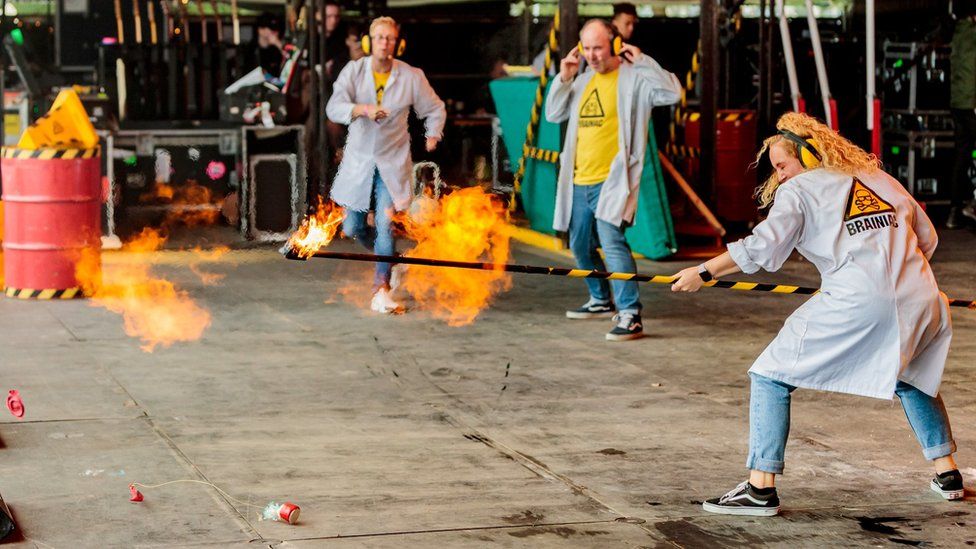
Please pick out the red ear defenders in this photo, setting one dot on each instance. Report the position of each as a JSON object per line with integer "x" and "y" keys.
{"x": 367, "y": 44}
{"x": 809, "y": 155}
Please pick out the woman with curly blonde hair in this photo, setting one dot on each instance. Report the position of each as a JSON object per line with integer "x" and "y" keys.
{"x": 879, "y": 326}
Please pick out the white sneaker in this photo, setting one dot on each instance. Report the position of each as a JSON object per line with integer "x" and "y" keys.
{"x": 383, "y": 303}
{"x": 396, "y": 275}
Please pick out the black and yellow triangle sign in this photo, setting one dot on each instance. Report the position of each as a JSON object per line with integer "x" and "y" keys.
{"x": 863, "y": 201}
{"x": 592, "y": 107}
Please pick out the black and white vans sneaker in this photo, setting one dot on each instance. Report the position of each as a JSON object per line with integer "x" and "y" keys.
{"x": 592, "y": 309}
{"x": 629, "y": 326}
{"x": 949, "y": 485}
{"x": 745, "y": 499}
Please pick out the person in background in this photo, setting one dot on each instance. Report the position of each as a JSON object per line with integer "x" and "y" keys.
{"x": 336, "y": 50}
{"x": 962, "y": 102}
{"x": 271, "y": 47}
{"x": 624, "y": 19}
{"x": 374, "y": 96}
{"x": 608, "y": 108}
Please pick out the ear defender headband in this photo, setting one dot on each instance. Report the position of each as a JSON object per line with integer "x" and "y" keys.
{"x": 807, "y": 147}
{"x": 367, "y": 44}
{"x": 616, "y": 41}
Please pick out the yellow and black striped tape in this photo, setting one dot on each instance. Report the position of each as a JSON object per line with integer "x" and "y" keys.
{"x": 535, "y": 115}
{"x": 723, "y": 117}
{"x": 679, "y": 111}
{"x": 27, "y": 293}
{"x": 574, "y": 273}
{"x": 682, "y": 151}
{"x": 544, "y": 155}
{"x": 48, "y": 153}
{"x": 734, "y": 116}
{"x": 728, "y": 284}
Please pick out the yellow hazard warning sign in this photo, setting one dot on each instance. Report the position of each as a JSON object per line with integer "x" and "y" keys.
{"x": 592, "y": 107}
{"x": 863, "y": 201}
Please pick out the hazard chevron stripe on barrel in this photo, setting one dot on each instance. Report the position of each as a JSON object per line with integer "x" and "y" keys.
{"x": 48, "y": 154}
{"x": 29, "y": 293}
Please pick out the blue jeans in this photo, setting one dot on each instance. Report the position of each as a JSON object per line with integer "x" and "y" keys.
{"x": 378, "y": 239}
{"x": 769, "y": 422}
{"x": 586, "y": 232}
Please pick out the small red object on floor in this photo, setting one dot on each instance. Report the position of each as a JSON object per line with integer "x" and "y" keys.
{"x": 136, "y": 495}
{"x": 289, "y": 512}
{"x": 15, "y": 404}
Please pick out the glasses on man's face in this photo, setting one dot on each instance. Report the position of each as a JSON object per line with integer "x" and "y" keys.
{"x": 384, "y": 38}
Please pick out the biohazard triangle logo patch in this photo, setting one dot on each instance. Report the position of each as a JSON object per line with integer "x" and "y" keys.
{"x": 863, "y": 201}
{"x": 592, "y": 107}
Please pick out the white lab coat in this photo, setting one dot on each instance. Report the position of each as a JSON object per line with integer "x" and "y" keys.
{"x": 879, "y": 316}
{"x": 641, "y": 86}
{"x": 385, "y": 144}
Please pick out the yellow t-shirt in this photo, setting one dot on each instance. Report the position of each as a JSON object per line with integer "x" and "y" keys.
{"x": 596, "y": 139}
{"x": 380, "y": 79}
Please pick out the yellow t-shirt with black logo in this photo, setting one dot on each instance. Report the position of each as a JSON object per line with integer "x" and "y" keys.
{"x": 596, "y": 139}
{"x": 380, "y": 78}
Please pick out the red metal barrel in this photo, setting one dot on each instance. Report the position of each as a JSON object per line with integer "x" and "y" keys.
{"x": 52, "y": 200}
{"x": 735, "y": 178}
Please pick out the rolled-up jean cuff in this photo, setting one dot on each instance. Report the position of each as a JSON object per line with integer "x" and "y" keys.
{"x": 765, "y": 465}
{"x": 942, "y": 450}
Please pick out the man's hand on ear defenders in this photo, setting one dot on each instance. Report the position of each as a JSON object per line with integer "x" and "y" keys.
{"x": 569, "y": 66}
{"x": 629, "y": 52}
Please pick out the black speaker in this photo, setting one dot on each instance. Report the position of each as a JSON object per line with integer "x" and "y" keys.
{"x": 273, "y": 189}
{"x": 273, "y": 208}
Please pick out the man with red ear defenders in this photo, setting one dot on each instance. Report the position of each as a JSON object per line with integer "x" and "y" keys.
{"x": 608, "y": 107}
{"x": 374, "y": 96}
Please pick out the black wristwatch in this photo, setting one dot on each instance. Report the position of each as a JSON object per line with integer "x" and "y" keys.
{"x": 704, "y": 274}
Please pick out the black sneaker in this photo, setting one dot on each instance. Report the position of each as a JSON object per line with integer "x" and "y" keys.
{"x": 949, "y": 485}
{"x": 628, "y": 326}
{"x": 745, "y": 500}
{"x": 592, "y": 309}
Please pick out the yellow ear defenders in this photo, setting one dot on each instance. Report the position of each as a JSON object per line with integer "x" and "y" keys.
{"x": 367, "y": 44}
{"x": 807, "y": 147}
{"x": 616, "y": 42}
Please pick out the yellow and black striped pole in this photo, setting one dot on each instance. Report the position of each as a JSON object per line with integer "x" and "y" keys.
{"x": 672, "y": 148}
{"x": 571, "y": 273}
{"x": 528, "y": 147}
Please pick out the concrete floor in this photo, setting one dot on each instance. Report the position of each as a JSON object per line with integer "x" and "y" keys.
{"x": 522, "y": 430}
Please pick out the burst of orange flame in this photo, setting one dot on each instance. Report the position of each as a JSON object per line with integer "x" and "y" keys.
{"x": 465, "y": 225}
{"x": 201, "y": 255}
{"x": 152, "y": 308}
{"x": 317, "y": 230}
{"x": 190, "y": 204}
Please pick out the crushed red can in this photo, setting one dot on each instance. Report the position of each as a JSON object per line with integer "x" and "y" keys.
{"x": 289, "y": 512}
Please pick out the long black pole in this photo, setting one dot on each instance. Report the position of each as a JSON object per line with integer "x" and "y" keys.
{"x": 571, "y": 273}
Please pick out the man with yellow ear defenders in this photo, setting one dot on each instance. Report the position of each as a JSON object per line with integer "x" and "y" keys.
{"x": 806, "y": 148}
{"x": 608, "y": 107}
{"x": 624, "y": 20}
{"x": 616, "y": 44}
{"x": 367, "y": 45}
{"x": 374, "y": 96}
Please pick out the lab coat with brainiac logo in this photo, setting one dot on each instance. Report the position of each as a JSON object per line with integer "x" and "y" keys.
{"x": 383, "y": 145}
{"x": 879, "y": 317}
